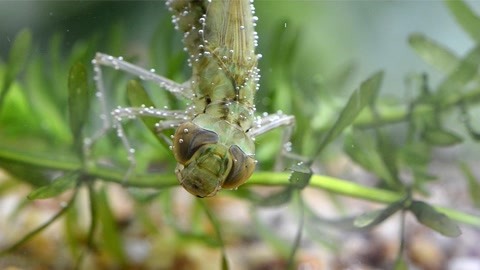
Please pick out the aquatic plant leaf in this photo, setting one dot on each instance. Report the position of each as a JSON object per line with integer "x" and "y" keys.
{"x": 138, "y": 97}
{"x": 73, "y": 230}
{"x": 433, "y": 53}
{"x": 216, "y": 226}
{"x": 433, "y": 219}
{"x": 301, "y": 174}
{"x": 78, "y": 102}
{"x": 440, "y": 137}
{"x": 277, "y": 198}
{"x": 388, "y": 156}
{"x": 377, "y": 216}
{"x": 464, "y": 73}
{"x": 18, "y": 55}
{"x": 357, "y": 101}
{"x": 361, "y": 148}
{"x": 111, "y": 238}
{"x": 465, "y": 17}
{"x": 473, "y": 184}
{"x": 56, "y": 187}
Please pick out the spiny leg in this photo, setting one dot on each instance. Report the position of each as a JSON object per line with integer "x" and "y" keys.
{"x": 268, "y": 122}
{"x": 175, "y": 117}
{"x": 182, "y": 90}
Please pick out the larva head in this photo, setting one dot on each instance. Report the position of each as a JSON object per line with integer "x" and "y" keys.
{"x": 205, "y": 165}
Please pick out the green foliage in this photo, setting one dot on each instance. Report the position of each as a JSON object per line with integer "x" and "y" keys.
{"x": 56, "y": 187}
{"x": 429, "y": 217}
{"x": 465, "y": 16}
{"x": 473, "y": 185}
{"x": 58, "y": 109}
{"x": 78, "y": 103}
{"x": 18, "y": 56}
{"x": 376, "y": 217}
{"x": 433, "y": 53}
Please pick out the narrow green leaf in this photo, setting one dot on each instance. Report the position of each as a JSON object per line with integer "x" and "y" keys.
{"x": 440, "y": 137}
{"x": 56, "y": 187}
{"x": 110, "y": 237}
{"x": 216, "y": 226}
{"x": 298, "y": 235}
{"x": 463, "y": 74}
{"x": 388, "y": 154}
{"x": 361, "y": 148}
{"x": 377, "y": 216}
{"x": 473, "y": 184}
{"x": 72, "y": 230}
{"x": 465, "y": 17}
{"x": 27, "y": 173}
{"x": 301, "y": 174}
{"x": 357, "y": 101}
{"x": 467, "y": 121}
{"x": 20, "y": 49}
{"x": 433, "y": 53}
{"x": 138, "y": 97}
{"x": 429, "y": 217}
{"x": 277, "y": 198}
{"x": 78, "y": 101}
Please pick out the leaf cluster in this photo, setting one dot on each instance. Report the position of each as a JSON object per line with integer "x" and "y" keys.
{"x": 46, "y": 113}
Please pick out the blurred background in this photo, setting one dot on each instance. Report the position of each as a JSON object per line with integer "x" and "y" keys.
{"x": 357, "y": 38}
{"x": 370, "y": 34}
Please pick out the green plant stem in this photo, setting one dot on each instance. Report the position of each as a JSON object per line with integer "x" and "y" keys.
{"x": 395, "y": 114}
{"x": 354, "y": 190}
{"x": 166, "y": 180}
{"x": 216, "y": 228}
{"x": 298, "y": 237}
{"x": 71, "y": 164}
{"x": 335, "y": 185}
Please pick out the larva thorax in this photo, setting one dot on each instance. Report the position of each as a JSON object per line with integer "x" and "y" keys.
{"x": 220, "y": 39}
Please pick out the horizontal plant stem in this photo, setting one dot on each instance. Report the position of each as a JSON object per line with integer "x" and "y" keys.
{"x": 396, "y": 114}
{"x": 338, "y": 186}
{"x": 166, "y": 180}
{"x": 354, "y": 190}
{"x": 46, "y": 162}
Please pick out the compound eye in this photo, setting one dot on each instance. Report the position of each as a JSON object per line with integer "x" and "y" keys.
{"x": 188, "y": 138}
{"x": 242, "y": 168}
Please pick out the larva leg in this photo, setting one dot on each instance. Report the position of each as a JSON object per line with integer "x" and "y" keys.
{"x": 118, "y": 63}
{"x": 174, "y": 118}
{"x": 268, "y": 122}
{"x": 169, "y": 119}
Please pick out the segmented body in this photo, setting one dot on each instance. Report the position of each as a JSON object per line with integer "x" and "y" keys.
{"x": 213, "y": 141}
{"x": 220, "y": 40}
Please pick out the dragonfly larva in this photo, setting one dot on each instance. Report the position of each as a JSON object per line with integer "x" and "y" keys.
{"x": 214, "y": 137}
